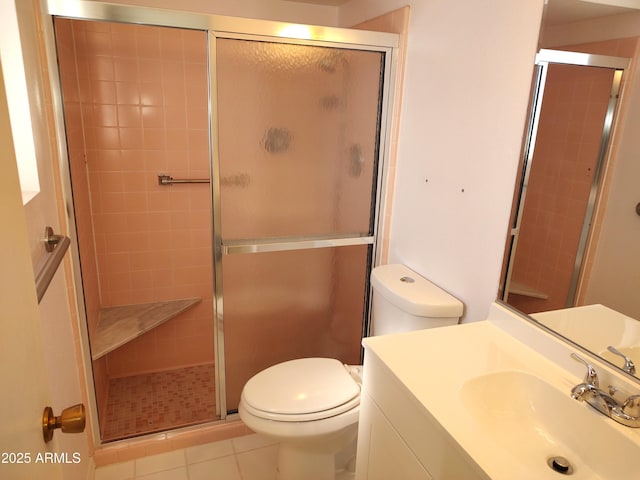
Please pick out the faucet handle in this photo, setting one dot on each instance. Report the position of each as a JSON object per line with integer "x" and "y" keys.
{"x": 629, "y": 366}
{"x": 591, "y": 377}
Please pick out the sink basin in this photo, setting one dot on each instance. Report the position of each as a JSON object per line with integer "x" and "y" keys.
{"x": 532, "y": 421}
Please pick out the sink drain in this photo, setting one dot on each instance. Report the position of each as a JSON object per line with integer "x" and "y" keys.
{"x": 560, "y": 465}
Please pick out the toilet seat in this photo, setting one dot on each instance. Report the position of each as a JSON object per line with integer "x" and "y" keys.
{"x": 307, "y": 389}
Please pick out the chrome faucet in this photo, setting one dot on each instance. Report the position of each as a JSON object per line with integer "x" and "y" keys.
{"x": 627, "y": 413}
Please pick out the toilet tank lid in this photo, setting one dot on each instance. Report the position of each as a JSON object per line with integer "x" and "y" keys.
{"x": 413, "y": 293}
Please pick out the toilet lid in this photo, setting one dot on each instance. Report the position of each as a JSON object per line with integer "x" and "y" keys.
{"x": 301, "y": 386}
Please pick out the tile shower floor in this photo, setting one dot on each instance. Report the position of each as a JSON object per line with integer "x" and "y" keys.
{"x": 153, "y": 402}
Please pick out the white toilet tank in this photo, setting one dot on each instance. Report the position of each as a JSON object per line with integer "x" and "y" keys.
{"x": 404, "y": 301}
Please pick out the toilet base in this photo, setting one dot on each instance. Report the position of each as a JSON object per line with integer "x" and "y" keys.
{"x": 295, "y": 464}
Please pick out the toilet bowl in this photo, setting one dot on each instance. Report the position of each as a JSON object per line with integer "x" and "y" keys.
{"x": 291, "y": 402}
{"x": 311, "y": 405}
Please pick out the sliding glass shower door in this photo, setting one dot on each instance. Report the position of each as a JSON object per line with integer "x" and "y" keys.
{"x": 295, "y": 194}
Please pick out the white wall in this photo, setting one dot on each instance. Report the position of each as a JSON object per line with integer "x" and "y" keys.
{"x": 468, "y": 73}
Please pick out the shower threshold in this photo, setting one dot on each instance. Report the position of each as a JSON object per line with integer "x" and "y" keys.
{"x": 150, "y": 403}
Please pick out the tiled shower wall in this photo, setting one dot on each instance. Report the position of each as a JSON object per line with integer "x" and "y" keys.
{"x": 136, "y": 106}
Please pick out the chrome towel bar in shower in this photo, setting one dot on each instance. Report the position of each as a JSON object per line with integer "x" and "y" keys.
{"x": 56, "y": 246}
{"x": 169, "y": 180}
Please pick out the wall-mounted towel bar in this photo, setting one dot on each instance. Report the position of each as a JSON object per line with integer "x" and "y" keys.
{"x": 56, "y": 246}
{"x": 169, "y": 180}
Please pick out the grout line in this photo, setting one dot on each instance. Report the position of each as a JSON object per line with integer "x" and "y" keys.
{"x": 235, "y": 457}
{"x": 186, "y": 463}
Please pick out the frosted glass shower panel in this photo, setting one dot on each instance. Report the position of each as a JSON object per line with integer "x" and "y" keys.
{"x": 298, "y": 136}
{"x": 284, "y": 305}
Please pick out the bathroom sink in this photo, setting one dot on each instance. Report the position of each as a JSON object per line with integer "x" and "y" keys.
{"x": 504, "y": 404}
{"x": 532, "y": 421}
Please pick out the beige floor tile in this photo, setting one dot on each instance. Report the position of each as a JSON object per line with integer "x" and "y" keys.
{"x": 224, "y": 468}
{"x": 259, "y": 464}
{"x": 209, "y": 451}
{"x": 251, "y": 442}
{"x": 172, "y": 474}
{"x": 116, "y": 471}
{"x": 160, "y": 462}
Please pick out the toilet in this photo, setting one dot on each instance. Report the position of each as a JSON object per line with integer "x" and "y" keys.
{"x": 311, "y": 405}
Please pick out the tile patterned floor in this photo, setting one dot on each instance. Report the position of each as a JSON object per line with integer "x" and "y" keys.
{"x": 251, "y": 457}
{"x": 154, "y": 402}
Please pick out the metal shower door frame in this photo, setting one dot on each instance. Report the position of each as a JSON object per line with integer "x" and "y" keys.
{"x": 216, "y": 27}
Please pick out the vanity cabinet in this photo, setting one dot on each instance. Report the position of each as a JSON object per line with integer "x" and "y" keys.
{"x": 398, "y": 438}
{"x": 384, "y": 453}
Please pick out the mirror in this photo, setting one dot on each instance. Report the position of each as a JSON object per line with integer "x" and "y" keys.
{"x": 572, "y": 258}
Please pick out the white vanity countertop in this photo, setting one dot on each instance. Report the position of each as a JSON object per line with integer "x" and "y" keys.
{"x": 433, "y": 365}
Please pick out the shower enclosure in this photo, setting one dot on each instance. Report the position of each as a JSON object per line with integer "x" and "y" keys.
{"x": 226, "y": 177}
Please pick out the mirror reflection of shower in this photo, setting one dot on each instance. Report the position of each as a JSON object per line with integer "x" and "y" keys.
{"x": 565, "y": 155}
